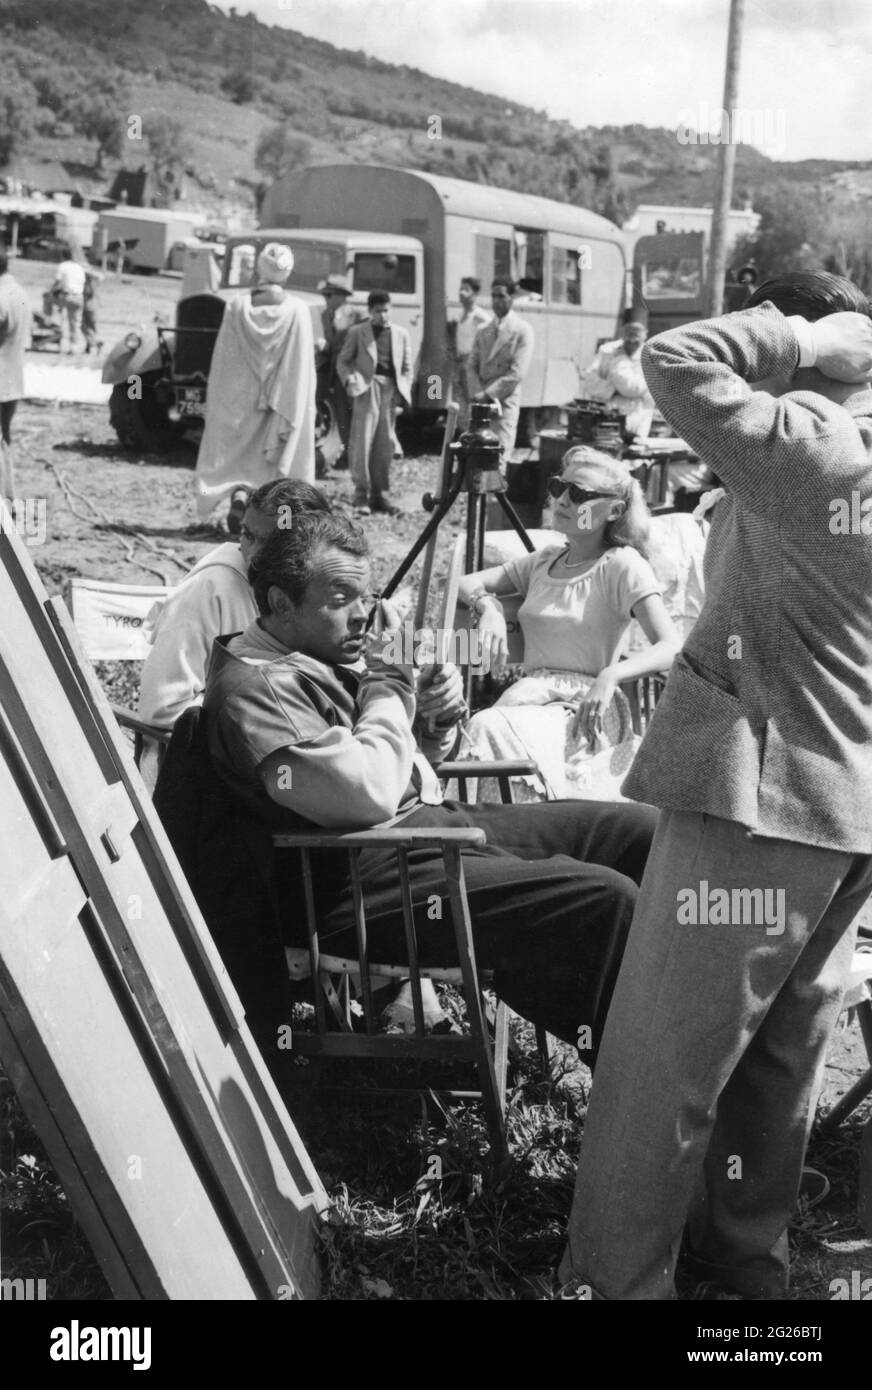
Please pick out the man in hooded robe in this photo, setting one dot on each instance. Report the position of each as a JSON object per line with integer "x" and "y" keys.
{"x": 260, "y": 415}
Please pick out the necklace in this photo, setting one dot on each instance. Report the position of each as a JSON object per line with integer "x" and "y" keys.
{"x": 568, "y": 566}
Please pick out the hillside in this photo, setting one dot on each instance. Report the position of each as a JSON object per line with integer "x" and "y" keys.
{"x": 73, "y": 74}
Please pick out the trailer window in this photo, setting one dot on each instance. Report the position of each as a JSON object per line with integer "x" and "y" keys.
{"x": 377, "y": 270}
{"x": 530, "y": 256}
{"x": 565, "y": 276}
{"x": 493, "y": 256}
{"x": 312, "y": 264}
{"x": 671, "y": 277}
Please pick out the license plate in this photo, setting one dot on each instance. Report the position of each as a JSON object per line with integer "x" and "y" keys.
{"x": 191, "y": 400}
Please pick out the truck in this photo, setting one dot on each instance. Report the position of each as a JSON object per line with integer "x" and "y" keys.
{"x": 416, "y": 235}
{"x": 143, "y": 236}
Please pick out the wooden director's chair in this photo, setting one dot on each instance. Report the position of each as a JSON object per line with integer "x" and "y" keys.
{"x": 345, "y": 1020}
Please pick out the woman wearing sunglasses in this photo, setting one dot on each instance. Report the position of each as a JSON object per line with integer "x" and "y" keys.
{"x": 579, "y": 597}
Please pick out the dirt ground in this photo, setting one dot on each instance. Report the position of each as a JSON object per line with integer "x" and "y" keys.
{"x": 117, "y": 516}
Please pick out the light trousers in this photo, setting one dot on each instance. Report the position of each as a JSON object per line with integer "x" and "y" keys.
{"x": 371, "y": 441}
{"x": 711, "y": 1060}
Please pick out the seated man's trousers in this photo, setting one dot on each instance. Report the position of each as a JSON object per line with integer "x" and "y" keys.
{"x": 551, "y": 898}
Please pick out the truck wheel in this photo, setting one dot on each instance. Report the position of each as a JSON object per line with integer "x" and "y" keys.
{"x": 142, "y": 426}
{"x": 328, "y": 440}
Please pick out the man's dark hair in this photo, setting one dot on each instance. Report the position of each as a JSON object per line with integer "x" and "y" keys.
{"x": 289, "y": 558}
{"x": 473, "y": 282}
{"x": 288, "y": 492}
{"x": 375, "y": 298}
{"x": 4, "y": 261}
{"x": 504, "y": 282}
{"x": 813, "y": 294}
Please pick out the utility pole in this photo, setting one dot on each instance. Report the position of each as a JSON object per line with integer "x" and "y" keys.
{"x": 726, "y": 163}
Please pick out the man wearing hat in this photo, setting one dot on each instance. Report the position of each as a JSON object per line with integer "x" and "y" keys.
{"x": 337, "y": 316}
{"x": 260, "y": 412}
{"x": 615, "y": 375}
{"x": 375, "y": 367}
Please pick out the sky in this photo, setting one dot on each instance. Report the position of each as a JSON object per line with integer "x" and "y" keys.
{"x": 617, "y": 62}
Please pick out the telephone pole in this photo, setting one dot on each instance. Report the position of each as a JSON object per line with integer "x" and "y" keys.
{"x": 726, "y": 164}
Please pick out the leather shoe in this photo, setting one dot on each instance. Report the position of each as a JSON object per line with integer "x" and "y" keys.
{"x": 378, "y": 503}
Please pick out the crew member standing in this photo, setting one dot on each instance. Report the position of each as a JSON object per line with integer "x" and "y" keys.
{"x": 375, "y": 367}
{"x": 461, "y": 336}
{"x": 615, "y": 376}
{"x": 337, "y": 317}
{"x": 68, "y": 291}
{"x": 15, "y": 320}
{"x": 499, "y": 361}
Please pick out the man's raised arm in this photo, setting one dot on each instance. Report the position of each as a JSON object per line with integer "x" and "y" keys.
{"x": 351, "y": 777}
{"x": 762, "y": 445}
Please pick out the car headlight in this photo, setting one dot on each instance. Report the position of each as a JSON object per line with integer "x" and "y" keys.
{"x": 132, "y": 342}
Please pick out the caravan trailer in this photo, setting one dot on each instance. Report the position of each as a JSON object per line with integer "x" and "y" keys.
{"x": 145, "y": 236}
{"x": 415, "y": 235}
{"x": 569, "y": 262}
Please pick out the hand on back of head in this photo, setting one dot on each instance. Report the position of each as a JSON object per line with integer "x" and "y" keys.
{"x": 843, "y": 346}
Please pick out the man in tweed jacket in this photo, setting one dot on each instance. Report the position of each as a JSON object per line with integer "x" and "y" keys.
{"x": 760, "y": 758}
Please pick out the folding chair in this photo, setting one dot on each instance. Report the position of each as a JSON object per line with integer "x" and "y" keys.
{"x": 110, "y": 620}
{"x": 490, "y": 1058}
{"x": 338, "y": 1038}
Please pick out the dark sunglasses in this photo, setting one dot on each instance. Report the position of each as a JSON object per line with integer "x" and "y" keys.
{"x": 577, "y": 495}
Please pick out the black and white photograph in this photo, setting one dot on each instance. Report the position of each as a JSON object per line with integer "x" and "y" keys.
{"x": 436, "y": 667}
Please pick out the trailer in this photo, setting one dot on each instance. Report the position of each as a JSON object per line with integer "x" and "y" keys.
{"x": 145, "y": 236}
{"x": 569, "y": 262}
{"x": 413, "y": 234}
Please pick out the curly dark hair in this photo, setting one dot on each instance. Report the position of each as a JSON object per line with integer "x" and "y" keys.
{"x": 289, "y": 558}
{"x": 288, "y": 492}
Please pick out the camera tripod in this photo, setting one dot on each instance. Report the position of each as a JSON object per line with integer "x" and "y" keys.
{"x": 471, "y": 466}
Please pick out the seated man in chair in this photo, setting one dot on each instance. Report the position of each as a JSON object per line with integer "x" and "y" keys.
{"x": 308, "y": 736}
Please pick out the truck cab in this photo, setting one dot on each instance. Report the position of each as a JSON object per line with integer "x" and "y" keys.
{"x": 160, "y": 374}
{"x": 669, "y": 278}
{"x": 370, "y": 261}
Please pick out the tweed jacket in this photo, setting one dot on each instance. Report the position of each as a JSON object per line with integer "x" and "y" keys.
{"x": 766, "y": 719}
{"x": 358, "y": 354}
{"x": 500, "y": 359}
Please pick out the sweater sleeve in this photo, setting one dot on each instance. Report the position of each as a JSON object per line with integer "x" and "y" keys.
{"x": 206, "y": 606}
{"x": 348, "y": 777}
{"x": 767, "y": 449}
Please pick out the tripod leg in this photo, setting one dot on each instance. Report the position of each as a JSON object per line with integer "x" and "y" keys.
{"x": 430, "y": 529}
{"x": 476, "y": 514}
{"x": 515, "y": 520}
{"x": 444, "y": 480}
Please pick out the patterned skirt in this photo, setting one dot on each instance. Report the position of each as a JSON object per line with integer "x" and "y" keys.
{"x": 533, "y": 719}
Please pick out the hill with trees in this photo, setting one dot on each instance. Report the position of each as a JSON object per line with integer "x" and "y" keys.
{"x": 221, "y": 104}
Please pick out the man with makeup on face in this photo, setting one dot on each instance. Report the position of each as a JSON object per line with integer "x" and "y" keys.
{"x": 311, "y": 723}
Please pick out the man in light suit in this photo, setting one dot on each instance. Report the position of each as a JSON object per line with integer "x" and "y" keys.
{"x": 461, "y": 336}
{"x": 499, "y": 361}
{"x": 760, "y": 757}
{"x": 375, "y": 366}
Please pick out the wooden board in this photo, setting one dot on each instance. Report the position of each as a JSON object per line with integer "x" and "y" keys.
{"x": 118, "y": 1025}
